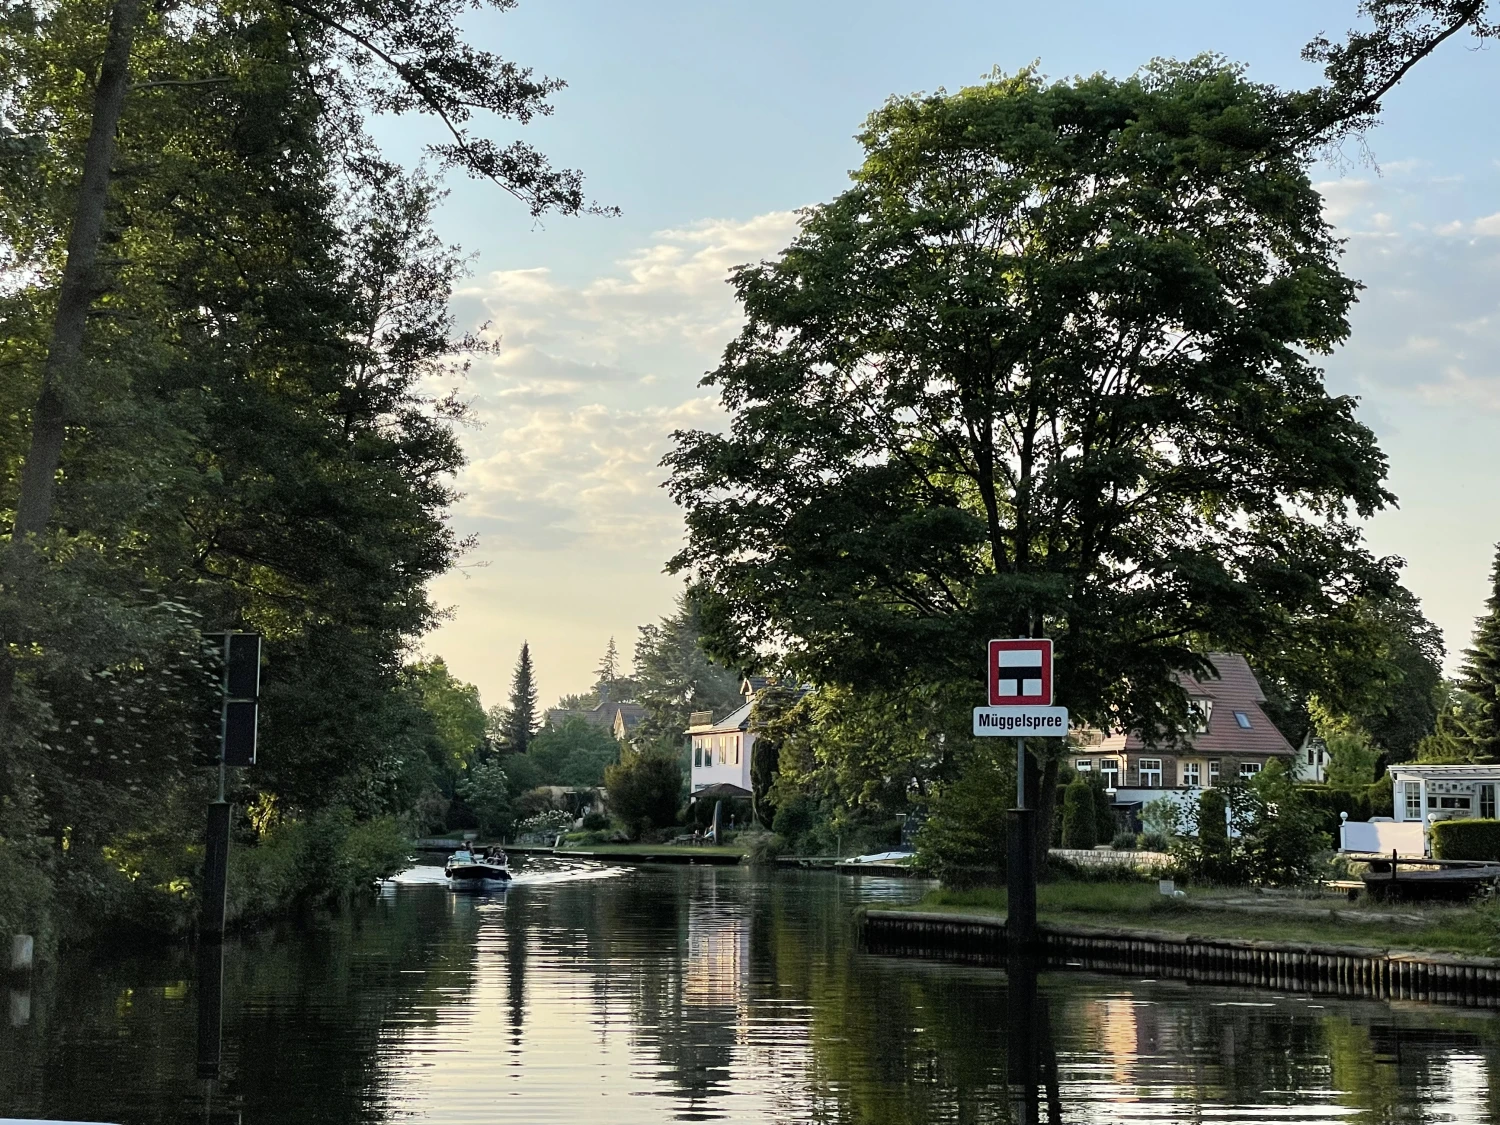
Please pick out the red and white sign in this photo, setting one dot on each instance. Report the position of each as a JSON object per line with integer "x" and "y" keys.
{"x": 1021, "y": 673}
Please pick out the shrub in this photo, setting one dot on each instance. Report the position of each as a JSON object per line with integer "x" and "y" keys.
{"x": 963, "y": 841}
{"x": 1078, "y": 823}
{"x": 1280, "y": 837}
{"x": 486, "y": 790}
{"x": 1466, "y": 839}
{"x": 1153, "y": 841}
{"x": 595, "y": 822}
{"x": 1206, "y": 853}
{"x": 1123, "y": 841}
{"x": 1106, "y": 824}
{"x": 644, "y": 791}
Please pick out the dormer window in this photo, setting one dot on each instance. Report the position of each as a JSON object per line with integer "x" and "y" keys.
{"x": 1201, "y": 712}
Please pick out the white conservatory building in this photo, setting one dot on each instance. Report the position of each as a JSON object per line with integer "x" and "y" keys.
{"x": 1424, "y": 794}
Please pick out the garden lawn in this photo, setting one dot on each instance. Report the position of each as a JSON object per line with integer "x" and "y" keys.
{"x": 1123, "y": 906}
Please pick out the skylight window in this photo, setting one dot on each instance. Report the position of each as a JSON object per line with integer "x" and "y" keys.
{"x": 1243, "y": 720}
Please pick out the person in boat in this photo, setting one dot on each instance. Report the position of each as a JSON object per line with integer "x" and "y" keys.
{"x": 463, "y": 855}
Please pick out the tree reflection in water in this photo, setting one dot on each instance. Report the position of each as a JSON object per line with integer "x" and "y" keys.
{"x": 698, "y": 994}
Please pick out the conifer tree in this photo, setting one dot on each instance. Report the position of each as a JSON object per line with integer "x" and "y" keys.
{"x": 520, "y": 716}
{"x": 609, "y": 666}
{"x": 1480, "y": 677}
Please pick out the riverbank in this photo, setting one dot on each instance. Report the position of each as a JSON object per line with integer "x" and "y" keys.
{"x": 1219, "y": 914}
{"x": 1338, "y": 970}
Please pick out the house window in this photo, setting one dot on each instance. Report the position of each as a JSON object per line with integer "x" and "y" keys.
{"x": 1084, "y": 765}
{"x": 737, "y": 749}
{"x": 1242, "y": 719}
{"x": 1192, "y": 775}
{"x": 1412, "y": 792}
{"x": 1109, "y": 769}
{"x": 719, "y": 750}
{"x": 1213, "y": 772}
{"x": 1455, "y": 803}
{"x": 1487, "y": 802}
{"x": 697, "y": 752}
{"x": 1311, "y": 756}
{"x": 1249, "y": 769}
{"x": 1201, "y": 712}
{"x": 1150, "y": 771}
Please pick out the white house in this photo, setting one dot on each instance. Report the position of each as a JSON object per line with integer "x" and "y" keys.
{"x": 1311, "y": 760}
{"x": 1424, "y": 794}
{"x": 721, "y": 750}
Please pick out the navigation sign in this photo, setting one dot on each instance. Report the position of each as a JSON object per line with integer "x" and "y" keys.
{"x": 1021, "y": 722}
{"x": 1021, "y": 673}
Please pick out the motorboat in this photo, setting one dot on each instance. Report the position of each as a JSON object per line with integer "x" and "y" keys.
{"x": 469, "y": 868}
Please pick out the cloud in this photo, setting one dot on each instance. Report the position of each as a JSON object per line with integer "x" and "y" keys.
{"x": 576, "y": 409}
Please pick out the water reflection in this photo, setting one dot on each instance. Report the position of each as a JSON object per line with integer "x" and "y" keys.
{"x": 696, "y": 994}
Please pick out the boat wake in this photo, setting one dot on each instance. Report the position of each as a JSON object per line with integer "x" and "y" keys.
{"x": 531, "y": 876}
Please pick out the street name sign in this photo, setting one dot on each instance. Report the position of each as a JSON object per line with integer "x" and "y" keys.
{"x": 1020, "y": 672}
{"x": 1021, "y": 722}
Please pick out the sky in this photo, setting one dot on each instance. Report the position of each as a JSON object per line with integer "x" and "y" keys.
{"x": 710, "y": 124}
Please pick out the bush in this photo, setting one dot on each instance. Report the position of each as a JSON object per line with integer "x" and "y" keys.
{"x": 595, "y": 822}
{"x": 645, "y": 790}
{"x": 1153, "y": 841}
{"x": 1106, "y": 824}
{"x": 963, "y": 841}
{"x": 486, "y": 790}
{"x": 1206, "y": 853}
{"x": 1466, "y": 839}
{"x": 1078, "y": 821}
{"x": 1123, "y": 841}
{"x": 1280, "y": 837}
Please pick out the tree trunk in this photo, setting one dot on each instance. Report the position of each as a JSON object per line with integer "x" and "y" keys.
{"x": 55, "y": 401}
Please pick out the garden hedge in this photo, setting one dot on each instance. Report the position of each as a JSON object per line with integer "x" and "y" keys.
{"x": 1466, "y": 839}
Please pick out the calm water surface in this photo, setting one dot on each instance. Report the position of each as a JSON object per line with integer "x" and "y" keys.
{"x": 604, "y": 995}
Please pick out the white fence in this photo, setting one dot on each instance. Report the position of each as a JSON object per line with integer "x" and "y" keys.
{"x": 1383, "y": 836}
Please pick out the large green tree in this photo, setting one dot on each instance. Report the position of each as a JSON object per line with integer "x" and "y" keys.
{"x": 675, "y": 676}
{"x": 1480, "y": 676}
{"x": 517, "y": 723}
{"x": 1045, "y": 368}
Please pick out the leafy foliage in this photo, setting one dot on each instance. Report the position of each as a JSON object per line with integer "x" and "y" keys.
{"x": 487, "y": 791}
{"x": 645, "y": 790}
{"x": 1044, "y": 368}
{"x": 963, "y": 841}
{"x": 675, "y": 676}
{"x": 575, "y": 752}
{"x": 1480, "y": 677}
{"x": 1079, "y": 823}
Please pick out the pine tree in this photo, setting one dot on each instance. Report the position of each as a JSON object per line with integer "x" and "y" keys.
{"x": 1480, "y": 676}
{"x": 520, "y": 716}
{"x": 609, "y": 667}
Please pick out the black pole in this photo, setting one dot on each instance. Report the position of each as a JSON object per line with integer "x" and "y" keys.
{"x": 1020, "y": 875}
{"x": 216, "y": 870}
{"x": 210, "y": 1007}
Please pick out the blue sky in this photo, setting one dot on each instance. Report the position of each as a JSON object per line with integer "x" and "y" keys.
{"x": 709, "y": 124}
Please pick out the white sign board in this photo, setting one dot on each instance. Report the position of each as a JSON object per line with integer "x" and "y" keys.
{"x": 1021, "y": 722}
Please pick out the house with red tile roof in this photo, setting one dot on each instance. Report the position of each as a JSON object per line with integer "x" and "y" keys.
{"x": 1232, "y": 737}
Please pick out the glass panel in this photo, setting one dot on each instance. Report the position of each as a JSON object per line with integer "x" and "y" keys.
{"x": 1243, "y": 719}
{"x": 1413, "y": 791}
{"x": 1487, "y": 802}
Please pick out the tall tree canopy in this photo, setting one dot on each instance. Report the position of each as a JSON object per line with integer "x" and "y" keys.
{"x": 675, "y": 676}
{"x": 1373, "y": 60}
{"x": 1480, "y": 677}
{"x": 518, "y": 722}
{"x": 1044, "y": 368}
{"x": 220, "y": 317}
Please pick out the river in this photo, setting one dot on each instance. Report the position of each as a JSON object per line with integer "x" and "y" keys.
{"x": 603, "y": 995}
